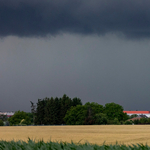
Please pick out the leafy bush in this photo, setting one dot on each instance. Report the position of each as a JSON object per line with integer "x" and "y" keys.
{"x": 18, "y": 117}
{"x": 83, "y": 114}
{"x": 6, "y": 123}
{"x": 110, "y": 122}
{"x": 3, "y": 117}
{"x": 116, "y": 121}
{"x": 76, "y": 115}
{"x": 128, "y": 122}
{"x": 113, "y": 111}
{"x": 143, "y": 121}
{"x": 137, "y": 121}
{"x": 1, "y": 123}
{"x": 100, "y": 119}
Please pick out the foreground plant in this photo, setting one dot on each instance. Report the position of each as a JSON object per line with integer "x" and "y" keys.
{"x": 41, "y": 145}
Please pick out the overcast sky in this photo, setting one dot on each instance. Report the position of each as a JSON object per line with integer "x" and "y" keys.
{"x": 98, "y": 51}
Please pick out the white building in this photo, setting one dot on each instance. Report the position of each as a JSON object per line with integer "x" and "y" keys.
{"x": 7, "y": 113}
{"x": 146, "y": 113}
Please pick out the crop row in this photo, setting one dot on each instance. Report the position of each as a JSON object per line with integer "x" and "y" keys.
{"x": 41, "y": 145}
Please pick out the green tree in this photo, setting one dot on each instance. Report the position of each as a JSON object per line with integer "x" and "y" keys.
{"x": 18, "y": 117}
{"x": 89, "y": 119}
{"x": 143, "y": 121}
{"x": 76, "y": 115}
{"x": 83, "y": 114}
{"x": 57, "y": 111}
{"x": 40, "y": 111}
{"x": 116, "y": 121}
{"x": 3, "y": 117}
{"x": 1, "y": 123}
{"x": 76, "y": 101}
{"x": 127, "y": 122}
{"x": 52, "y": 111}
{"x": 113, "y": 111}
{"x": 133, "y": 116}
{"x": 100, "y": 118}
{"x": 148, "y": 120}
{"x": 31, "y": 116}
{"x": 65, "y": 105}
{"x": 137, "y": 121}
{"x": 92, "y": 109}
{"x": 33, "y": 111}
{"x": 97, "y": 108}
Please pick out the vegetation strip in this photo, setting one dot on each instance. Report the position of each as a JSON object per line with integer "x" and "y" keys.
{"x": 41, "y": 145}
{"x": 67, "y": 111}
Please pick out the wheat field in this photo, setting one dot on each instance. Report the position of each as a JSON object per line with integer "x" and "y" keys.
{"x": 96, "y": 134}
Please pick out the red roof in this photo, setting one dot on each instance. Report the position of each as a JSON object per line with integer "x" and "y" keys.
{"x": 135, "y": 118}
{"x": 137, "y": 112}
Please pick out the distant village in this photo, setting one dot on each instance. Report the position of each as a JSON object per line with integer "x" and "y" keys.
{"x": 7, "y": 113}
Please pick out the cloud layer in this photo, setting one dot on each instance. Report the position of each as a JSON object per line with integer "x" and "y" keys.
{"x": 27, "y": 18}
{"x": 95, "y": 69}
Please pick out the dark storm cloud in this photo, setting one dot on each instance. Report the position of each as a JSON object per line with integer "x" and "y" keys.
{"x": 50, "y": 17}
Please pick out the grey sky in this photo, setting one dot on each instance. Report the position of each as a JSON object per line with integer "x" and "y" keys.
{"x": 48, "y": 17}
{"x": 95, "y": 50}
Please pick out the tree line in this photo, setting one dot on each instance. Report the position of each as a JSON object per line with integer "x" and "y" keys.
{"x": 95, "y": 114}
{"x": 57, "y": 111}
{"x": 64, "y": 110}
{"x": 51, "y": 111}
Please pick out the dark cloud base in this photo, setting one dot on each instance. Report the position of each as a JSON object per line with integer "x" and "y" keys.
{"x": 26, "y": 18}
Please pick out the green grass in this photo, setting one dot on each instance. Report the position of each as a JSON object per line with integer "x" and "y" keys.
{"x": 41, "y": 145}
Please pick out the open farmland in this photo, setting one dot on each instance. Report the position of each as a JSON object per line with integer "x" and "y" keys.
{"x": 126, "y": 134}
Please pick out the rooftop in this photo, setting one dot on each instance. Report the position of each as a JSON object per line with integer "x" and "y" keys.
{"x": 137, "y": 112}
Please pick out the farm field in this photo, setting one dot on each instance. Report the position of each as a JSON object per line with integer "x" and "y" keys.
{"x": 96, "y": 134}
